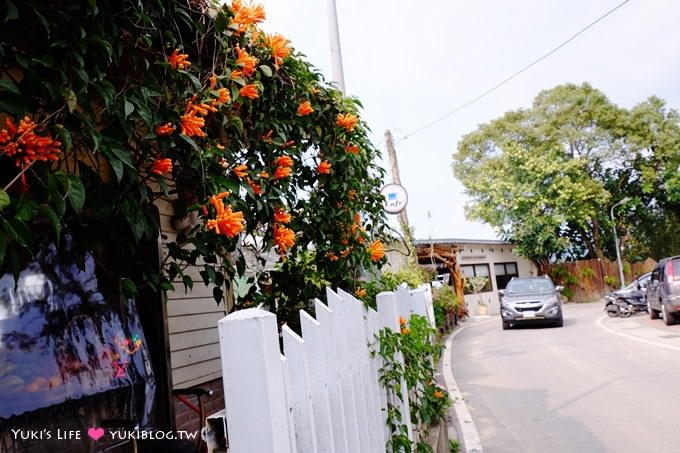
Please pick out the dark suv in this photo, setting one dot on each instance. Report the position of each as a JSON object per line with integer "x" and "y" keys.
{"x": 531, "y": 299}
{"x": 663, "y": 290}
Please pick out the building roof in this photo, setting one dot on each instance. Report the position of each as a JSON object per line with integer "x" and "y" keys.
{"x": 458, "y": 241}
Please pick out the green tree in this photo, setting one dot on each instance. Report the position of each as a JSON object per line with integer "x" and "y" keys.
{"x": 546, "y": 176}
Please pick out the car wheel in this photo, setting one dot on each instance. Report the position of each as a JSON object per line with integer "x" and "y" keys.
{"x": 653, "y": 314}
{"x": 625, "y": 312}
{"x": 506, "y": 325}
{"x": 667, "y": 317}
{"x": 559, "y": 322}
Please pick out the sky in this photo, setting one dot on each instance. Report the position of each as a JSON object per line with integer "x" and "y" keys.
{"x": 412, "y": 63}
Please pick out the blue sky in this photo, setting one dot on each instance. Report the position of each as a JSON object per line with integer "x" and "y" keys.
{"x": 411, "y": 63}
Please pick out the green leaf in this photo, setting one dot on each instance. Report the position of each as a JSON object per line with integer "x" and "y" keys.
{"x": 127, "y": 286}
{"x": 117, "y": 167}
{"x": 76, "y": 193}
{"x": 241, "y": 287}
{"x": 266, "y": 70}
{"x": 52, "y": 218}
{"x": 71, "y": 100}
{"x": 4, "y": 199}
{"x": 20, "y": 232}
{"x": 8, "y": 85}
{"x": 129, "y": 108}
{"x": 11, "y": 11}
{"x": 65, "y": 137}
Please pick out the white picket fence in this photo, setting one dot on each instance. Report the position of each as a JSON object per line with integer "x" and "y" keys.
{"x": 323, "y": 395}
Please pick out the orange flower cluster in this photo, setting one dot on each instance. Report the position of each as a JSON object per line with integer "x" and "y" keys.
{"x": 332, "y": 256}
{"x": 25, "y": 145}
{"x": 377, "y": 250}
{"x": 360, "y": 292}
{"x": 405, "y": 330}
{"x": 226, "y": 221}
{"x": 246, "y": 16}
{"x": 347, "y": 121}
{"x": 241, "y": 170}
{"x": 257, "y": 189}
{"x": 402, "y": 321}
{"x": 352, "y": 149}
{"x": 246, "y": 61}
{"x": 438, "y": 394}
{"x": 165, "y": 129}
{"x": 280, "y": 49}
{"x": 324, "y": 167}
{"x": 249, "y": 91}
{"x": 305, "y": 109}
{"x": 267, "y": 138}
{"x": 284, "y": 166}
{"x": 284, "y": 238}
{"x": 223, "y": 96}
{"x": 281, "y": 216}
{"x": 192, "y": 122}
{"x": 161, "y": 166}
{"x": 179, "y": 60}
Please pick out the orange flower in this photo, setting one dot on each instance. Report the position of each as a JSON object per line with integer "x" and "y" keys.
{"x": 25, "y": 145}
{"x": 223, "y": 95}
{"x": 352, "y": 194}
{"x": 179, "y": 60}
{"x": 282, "y": 172}
{"x": 377, "y": 250}
{"x": 257, "y": 189}
{"x": 264, "y": 175}
{"x": 405, "y": 330}
{"x": 288, "y": 144}
{"x": 267, "y": 138}
{"x": 360, "y": 292}
{"x": 402, "y": 321}
{"x": 280, "y": 49}
{"x": 352, "y": 149}
{"x": 345, "y": 252}
{"x": 357, "y": 218}
{"x": 241, "y": 170}
{"x": 332, "y": 256}
{"x": 165, "y": 129}
{"x": 246, "y": 61}
{"x": 305, "y": 109}
{"x": 347, "y": 121}
{"x": 226, "y": 221}
{"x": 161, "y": 166}
{"x": 284, "y": 161}
{"x": 438, "y": 394}
{"x": 246, "y": 16}
{"x": 236, "y": 75}
{"x": 281, "y": 216}
{"x": 324, "y": 167}
{"x": 191, "y": 125}
{"x": 213, "y": 81}
{"x": 284, "y": 238}
{"x": 249, "y": 91}
{"x": 199, "y": 109}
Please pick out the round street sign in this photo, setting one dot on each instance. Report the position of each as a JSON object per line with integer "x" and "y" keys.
{"x": 395, "y": 198}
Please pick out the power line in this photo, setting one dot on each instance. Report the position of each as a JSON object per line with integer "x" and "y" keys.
{"x": 500, "y": 84}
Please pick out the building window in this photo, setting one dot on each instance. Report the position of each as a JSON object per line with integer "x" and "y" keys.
{"x": 476, "y": 270}
{"x": 504, "y": 272}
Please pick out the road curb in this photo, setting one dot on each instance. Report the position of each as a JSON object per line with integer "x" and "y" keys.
{"x": 467, "y": 431}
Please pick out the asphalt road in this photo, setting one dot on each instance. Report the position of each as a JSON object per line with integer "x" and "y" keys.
{"x": 595, "y": 385}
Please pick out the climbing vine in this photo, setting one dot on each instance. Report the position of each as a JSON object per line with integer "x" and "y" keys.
{"x": 109, "y": 109}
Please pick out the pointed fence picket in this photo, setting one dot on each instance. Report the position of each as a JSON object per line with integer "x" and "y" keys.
{"x": 324, "y": 395}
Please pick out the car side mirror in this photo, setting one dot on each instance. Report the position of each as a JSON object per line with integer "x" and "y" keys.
{"x": 559, "y": 288}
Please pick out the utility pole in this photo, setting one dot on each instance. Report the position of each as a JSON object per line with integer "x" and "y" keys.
{"x": 336, "y": 52}
{"x": 392, "y": 154}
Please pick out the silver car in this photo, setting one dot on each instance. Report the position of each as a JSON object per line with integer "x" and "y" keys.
{"x": 529, "y": 300}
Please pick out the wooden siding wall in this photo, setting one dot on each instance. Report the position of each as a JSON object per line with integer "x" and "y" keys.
{"x": 192, "y": 322}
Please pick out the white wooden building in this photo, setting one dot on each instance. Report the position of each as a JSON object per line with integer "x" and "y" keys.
{"x": 494, "y": 259}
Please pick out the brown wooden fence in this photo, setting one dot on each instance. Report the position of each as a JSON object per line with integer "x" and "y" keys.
{"x": 589, "y": 280}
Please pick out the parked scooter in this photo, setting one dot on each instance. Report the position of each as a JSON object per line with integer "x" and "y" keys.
{"x": 624, "y": 306}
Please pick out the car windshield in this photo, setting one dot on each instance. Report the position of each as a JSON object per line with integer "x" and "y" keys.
{"x": 537, "y": 285}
